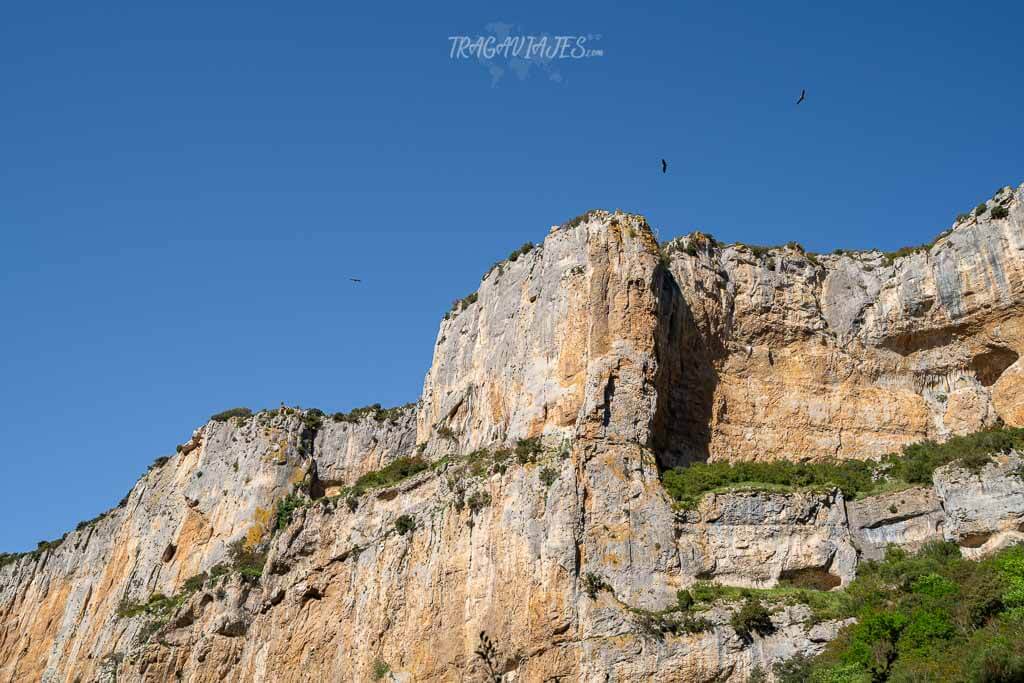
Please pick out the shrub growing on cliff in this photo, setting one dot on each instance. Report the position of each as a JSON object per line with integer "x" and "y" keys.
{"x": 286, "y": 507}
{"x": 916, "y": 464}
{"x": 233, "y": 412}
{"x": 313, "y": 419}
{"x": 1000, "y": 212}
{"x": 933, "y": 616}
{"x": 688, "y": 484}
{"x": 393, "y": 473}
{"x": 594, "y": 584}
{"x": 573, "y": 222}
{"x": 379, "y": 669}
{"x": 478, "y": 501}
{"x": 548, "y": 476}
{"x": 375, "y": 411}
{"x": 752, "y": 617}
{"x": 527, "y": 450}
{"x": 246, "y": 561}
{"x": 404, "y": 524}
{"x": 521, "y": 251}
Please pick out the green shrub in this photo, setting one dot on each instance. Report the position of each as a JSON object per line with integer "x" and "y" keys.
{"x": 286, "y": 507}
{"x": 757, "y": 675}
{"x": 375, "y": 411}
{"x": 405, "y": 524}
{"x": 463, "y": 303}
{"x": 242, "y": 413}
{"x": 194, "y": 583}
{"x": 548, "y": 475}
{"x": 478, "y": 501}
{"x": 446, "y": 432}
{"x": 379, "y": 669}
{"x": 527, "y": 450}
{"x": 572, "y": 223}
{"x": 1000, "y": 212}
{"x": 10, "y": 558}
{"x": 594, "y": 584}
{"x": 980, "y": 209}
{"x": 500, "y": 459}
{"x": 930, "y": 616}
{"x": 159, "y": 462}
{"x": 394, "y": 472}
{"x": 521, "y": 251}
{"x": 313, "y": 419}
{"x": 248, "y": 562}
{"x": 752, "y": 617}
{"x": 656, "y": 625}
{"x": 891, "y": 256}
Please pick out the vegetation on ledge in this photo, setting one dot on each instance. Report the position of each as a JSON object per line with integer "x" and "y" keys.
{"x": 400, "y": 469}
{"x": 934, "y": 616}
{"x": 375, "y": 411}
{"x": 855, "y": 478}
{"x": 226, "y": 415}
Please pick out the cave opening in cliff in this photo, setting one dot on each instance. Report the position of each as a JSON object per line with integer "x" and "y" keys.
{"x": 686, "y": 379}
{"x": 990, "y": 365}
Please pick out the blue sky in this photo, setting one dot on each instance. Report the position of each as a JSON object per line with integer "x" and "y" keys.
{"x": 185, "y": 189}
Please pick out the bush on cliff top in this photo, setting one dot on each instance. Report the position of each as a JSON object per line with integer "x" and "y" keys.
{"x": 375, "y": 411}
{"x": 914, "y": 465}
{"x": 230, "y": 413}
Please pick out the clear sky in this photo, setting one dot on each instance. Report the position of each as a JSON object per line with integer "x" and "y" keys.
{"x": 186, "y": 188}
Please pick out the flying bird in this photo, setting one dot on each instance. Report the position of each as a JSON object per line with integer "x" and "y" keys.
{"x": 803, "y": 96}
{"x": 355, "y": 279}
{"x": 664, "y": 166}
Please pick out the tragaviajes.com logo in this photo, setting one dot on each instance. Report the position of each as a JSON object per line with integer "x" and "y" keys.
{"x": 505, "y": 47}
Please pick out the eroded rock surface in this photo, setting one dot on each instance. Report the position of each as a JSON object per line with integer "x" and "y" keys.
{"x": 908, "y": 518}
{"x": 984, "y": 511}
{"x": 756, "y": 538}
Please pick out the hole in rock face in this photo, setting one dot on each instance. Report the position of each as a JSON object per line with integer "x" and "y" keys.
{"x": 974, "y": 540}
{"x": 989, "y": 366}
{"x": 169, "y": 552}
{"x": 816, "y": 578}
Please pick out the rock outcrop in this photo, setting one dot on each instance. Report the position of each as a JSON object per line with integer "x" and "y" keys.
{"x": 854, "y": 354}
{"x": 620, "y": 356}
{"x": 755, "y": 538}
{"x": 349, "y": 448}
{"x": 908, "y": 518}
{"x": 983, "y": 511}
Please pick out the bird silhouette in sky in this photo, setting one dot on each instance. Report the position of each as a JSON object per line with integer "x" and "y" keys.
{"x": 355, "y": 279}
{"x": 664, "y": 166}
{"x": 803, "y": 96}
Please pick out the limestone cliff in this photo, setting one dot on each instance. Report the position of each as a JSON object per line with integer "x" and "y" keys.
{"x": 621, "y": 355}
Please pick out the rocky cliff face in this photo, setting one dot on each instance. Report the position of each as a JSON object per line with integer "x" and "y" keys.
{"x": 850, "y": 355}
{"x": 619, "y": 354}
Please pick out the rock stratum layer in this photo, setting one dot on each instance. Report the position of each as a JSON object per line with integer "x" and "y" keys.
{"x": 622, "y": 356}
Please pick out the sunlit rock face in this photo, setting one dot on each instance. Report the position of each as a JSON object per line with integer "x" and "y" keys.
{"x": 559, "y": 342}
{"x": 622, "y": 357}
{"x": 791, "y": 355}
{"x": 347, "y": 449}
